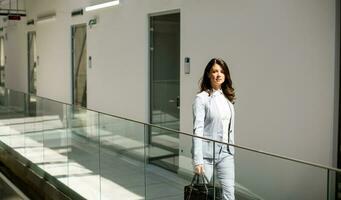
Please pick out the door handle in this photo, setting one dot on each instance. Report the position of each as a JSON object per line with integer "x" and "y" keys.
{"x": 177, "y": 101}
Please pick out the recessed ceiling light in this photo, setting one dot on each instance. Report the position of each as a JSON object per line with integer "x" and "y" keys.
{"x": 103, "y": 5}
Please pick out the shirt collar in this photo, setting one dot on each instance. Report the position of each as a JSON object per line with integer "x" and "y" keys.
{"x": 216, "y": 92}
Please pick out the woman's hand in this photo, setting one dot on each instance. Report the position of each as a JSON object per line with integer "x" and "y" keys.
{"x": 199, "y": 169}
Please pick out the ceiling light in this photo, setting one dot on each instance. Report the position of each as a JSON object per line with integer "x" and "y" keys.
{"x": 103, "y": 5}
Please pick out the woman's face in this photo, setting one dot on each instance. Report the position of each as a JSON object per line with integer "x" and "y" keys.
{"x": 217, "y": 76}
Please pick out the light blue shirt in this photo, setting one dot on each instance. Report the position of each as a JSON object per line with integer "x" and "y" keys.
{"x": 211, "y": 118}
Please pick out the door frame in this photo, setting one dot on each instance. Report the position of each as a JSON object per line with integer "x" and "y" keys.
{"x": 336, "y": 181}
{"x": 2, "y": 42}
{"x": 150, "y": 75}
{"x": 150, "y": 56}
{"x": 28, "y": 61}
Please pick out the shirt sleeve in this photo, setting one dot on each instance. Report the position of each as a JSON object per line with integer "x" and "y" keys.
{"x": 198, "y": 129}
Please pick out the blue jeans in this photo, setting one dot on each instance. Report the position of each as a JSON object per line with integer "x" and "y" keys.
{"x": 224, "y": 166}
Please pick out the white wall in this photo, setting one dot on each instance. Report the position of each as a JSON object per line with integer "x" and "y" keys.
{"x": 15, "y": 42}
{"x": 281, "y": 57}
{"x": 280, "y": 53}
{"x": 118, "y": 46}
{"x": 118, "y": 81}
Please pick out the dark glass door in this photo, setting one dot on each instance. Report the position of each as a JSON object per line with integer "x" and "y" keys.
{"x": 79, "y": 51}
{"x": 165, "y": 89}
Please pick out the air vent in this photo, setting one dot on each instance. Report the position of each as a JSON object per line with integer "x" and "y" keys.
{"x": 30, "y": 22}
{"x": 77, "y": 12}
{"x": 46, "y": 17}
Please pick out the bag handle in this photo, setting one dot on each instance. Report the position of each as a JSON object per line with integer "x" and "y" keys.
{"x": 196, "y": 178}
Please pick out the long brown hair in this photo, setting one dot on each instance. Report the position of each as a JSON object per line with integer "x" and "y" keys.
{"x": 226, "y": 86}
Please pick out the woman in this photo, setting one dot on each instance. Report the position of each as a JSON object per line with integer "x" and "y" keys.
{"x": 213, "y": 117}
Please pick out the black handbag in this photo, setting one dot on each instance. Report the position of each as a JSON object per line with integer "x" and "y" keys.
{"x": 200, "y": 190}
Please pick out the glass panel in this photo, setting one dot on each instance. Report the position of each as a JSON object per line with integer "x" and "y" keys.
{"x": 34, "y": 134}
{"x": 16, "y": 105}
{"x": 4, "y": 129}
{"x": 333, "y": 185}
{"x": 15, "y": 119}
{"x": 3, "y": 98}
{"x": 83, "y": 153}
{"x": 164, "y": 148}
{"x": 267, "y": 177}
{"x": 122, "y": 158}
{"x": 104, "y": 157}
{"x": 164, "y": 184}
{"x": 55, "y": 140}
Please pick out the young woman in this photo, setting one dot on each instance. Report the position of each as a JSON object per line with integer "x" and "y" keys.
{"x": 213, "y": 117}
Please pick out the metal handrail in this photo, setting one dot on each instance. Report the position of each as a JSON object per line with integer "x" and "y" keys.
{"x": 195, "y": 136}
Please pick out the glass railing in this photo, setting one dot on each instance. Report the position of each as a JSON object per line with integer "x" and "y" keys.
{"x": 101, "y": 156}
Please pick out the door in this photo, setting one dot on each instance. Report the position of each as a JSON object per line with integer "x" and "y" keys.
{"x": 2, "y": 72}
{"x": 79, "y": 91}
{"x": 2, "y": 62}
{"x": 32, "y": 62}
{"x": 32, "y": 72}
{"x": 164, "y": 89}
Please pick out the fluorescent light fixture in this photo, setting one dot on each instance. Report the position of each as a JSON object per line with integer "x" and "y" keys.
{"x": 46, "y": 18}
{"x": 102, "y": 5}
